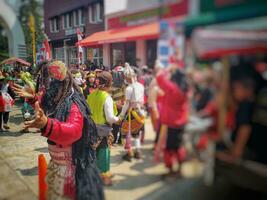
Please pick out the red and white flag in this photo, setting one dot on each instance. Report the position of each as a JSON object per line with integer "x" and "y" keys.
{"x": 47, "y": 51}
{"x": 80, "y": 49}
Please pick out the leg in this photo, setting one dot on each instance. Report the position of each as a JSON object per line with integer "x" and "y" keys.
{"x": 1, "y": 120}
{"x": 5, "y": 119}
{"x": 129, "y": 154}
{"x": 103, "y": 161}
{"x": 137, "y": 146}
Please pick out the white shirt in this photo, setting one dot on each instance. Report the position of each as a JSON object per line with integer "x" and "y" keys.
{"x": 134, "y": 95}
{"x": 109, "y": 111}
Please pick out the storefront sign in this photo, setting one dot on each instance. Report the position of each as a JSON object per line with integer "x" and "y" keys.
{"x": 171, "y": 42}
{"x": 172, "y": 10}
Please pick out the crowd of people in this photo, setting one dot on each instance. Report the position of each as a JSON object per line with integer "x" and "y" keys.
{"x": 84, "y": 111}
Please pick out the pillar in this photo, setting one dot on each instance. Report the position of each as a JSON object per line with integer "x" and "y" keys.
{"x": 141, "y": 52}
{"x": 106, "y": 55}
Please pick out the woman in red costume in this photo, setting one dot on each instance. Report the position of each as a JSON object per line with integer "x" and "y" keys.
{"x": 173, "y": 116}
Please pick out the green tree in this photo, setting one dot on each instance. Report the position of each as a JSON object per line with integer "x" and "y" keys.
{"x": 35, "y": 8}
{"x": 3, "y": 44}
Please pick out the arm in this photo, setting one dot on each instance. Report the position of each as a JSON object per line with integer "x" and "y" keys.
{"x": 243, "y": 135}
{"x": 65, "y": 133}
{"x": 128, "y": 96}
{"x": 109, "y": 112}
{"x": 164, "y": 82}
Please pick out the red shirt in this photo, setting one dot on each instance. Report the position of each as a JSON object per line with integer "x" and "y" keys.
{"x": 174, "y": 103}
{"x": 65, "y": 133}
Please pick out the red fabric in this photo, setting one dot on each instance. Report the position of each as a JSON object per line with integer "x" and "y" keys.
{"x": 170, "y": 156}
{"x": 65, "y": 133}
{"x": 212, "y": 110}
{"x": 2, "y": 104}
{"x": 174, "y": 105}
{"x": 203, "y": 142}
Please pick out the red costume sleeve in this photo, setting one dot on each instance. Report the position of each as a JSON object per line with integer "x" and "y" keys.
{"x": 65, "y": 133}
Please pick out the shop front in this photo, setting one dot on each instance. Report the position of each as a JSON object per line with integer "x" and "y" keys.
{"x": 132, "y": 37}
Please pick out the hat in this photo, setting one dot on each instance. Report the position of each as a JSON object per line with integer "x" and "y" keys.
{"x": 118, "y": 69}
{"x": 91, "y": 75}
{"x": 57, "y": 70}
{"x": 10, "y": 78}
{"x": 129, "y": 72}
{"x": 105, "y": 78}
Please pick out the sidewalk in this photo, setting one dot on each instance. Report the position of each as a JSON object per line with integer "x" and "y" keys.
{"x": 133, "y": 181}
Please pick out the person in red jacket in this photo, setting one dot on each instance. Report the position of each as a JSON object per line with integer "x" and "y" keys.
{"x": 174, "y": 114}
{"x": 65, "y": 120}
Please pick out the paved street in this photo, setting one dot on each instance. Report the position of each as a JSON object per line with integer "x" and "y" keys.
{"x": 135, "y": 180}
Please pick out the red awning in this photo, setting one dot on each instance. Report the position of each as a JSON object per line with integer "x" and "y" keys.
{"x": 147, "y": 31}
{"x": 13, "y": 60}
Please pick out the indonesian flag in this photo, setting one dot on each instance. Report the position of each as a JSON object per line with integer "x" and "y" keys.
{"x": 80, "y": 49}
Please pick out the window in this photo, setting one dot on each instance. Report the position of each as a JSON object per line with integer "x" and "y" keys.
{"x": 95, "y": 13}
{"x": 59, "y": 54}
{"x": 67, "y": 21}
{"x": 54, "y": 25}
{"x": 72, "y": 55}
{"x": 78, "y": 17}
{"x": 95, "y": 56}
{"x": 151, "y": 52}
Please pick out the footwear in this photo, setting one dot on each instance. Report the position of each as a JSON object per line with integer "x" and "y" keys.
{"x": 24, "y": 131}
{"x": 127, "y": 157}
{"x": 6, "y": 126}
{"x": 106, "y": 180}
{"x": 137, "y": 155}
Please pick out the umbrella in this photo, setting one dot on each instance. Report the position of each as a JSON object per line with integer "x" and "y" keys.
{"x": 13, "y": 60}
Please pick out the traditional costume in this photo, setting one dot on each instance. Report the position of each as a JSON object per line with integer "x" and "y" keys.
{"x": 117, "y": 92}
{"x": 90, "y": 84}
{"x": 66, "y": 122}
{"x": 132, "y": 114}
{"x": 6, "y": 102}
{"x": 173, "y": 116}
{"x": 102, "y": 107}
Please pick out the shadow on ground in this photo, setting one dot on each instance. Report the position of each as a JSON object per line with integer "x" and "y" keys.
{"x": 29, "y": 172}
{"x": 42, "y": 150}
{"x": 10, "y": 134}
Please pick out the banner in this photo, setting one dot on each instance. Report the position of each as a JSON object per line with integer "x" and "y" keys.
{"x": 171, "y": 43}
{"x": 43, "y": 52}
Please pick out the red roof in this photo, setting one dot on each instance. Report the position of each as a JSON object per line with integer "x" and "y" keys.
{"x": 13, "y": 60}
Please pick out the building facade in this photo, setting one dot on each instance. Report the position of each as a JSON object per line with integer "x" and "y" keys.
{"x": 130, "y": 14}
{"x": 62, "y": 18}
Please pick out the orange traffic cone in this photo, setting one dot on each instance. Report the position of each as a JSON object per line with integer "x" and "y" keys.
{"x": 42, "y": 173}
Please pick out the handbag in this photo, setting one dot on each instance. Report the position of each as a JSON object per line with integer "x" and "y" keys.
{"x": 103, "y": 130}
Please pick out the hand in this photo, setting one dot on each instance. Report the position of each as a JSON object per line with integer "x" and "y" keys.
{"x": 226, "y": 157}
{"x": 27, "y": 93}
{"x": 40, "y": 120}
